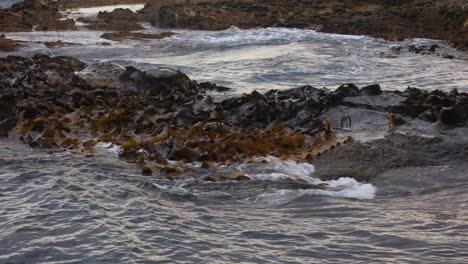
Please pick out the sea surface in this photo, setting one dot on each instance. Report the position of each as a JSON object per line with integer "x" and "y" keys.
{"x": 267, "y": 58}
{"x": 8, "y": 3}
{"x": 65, "y": 208}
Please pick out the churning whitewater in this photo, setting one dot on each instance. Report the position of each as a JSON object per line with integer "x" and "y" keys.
{"x": 270, "y": 58}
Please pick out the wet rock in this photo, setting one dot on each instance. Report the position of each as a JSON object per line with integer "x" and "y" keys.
{"x": 346, "y": 90}
{"x": 241, "y": 178}
{"x": 146, "y": 171}
{"x": 117, "y": 20}
{"x": 447, "y": 56}
{"x": 397, "y": 120}
{"x": 433, "y": 48}
{"x": 358, "y": 159}
{"x": 381, "y": 19}
{"x": 7, "y": 114}
{"x": 103, "y": 74}
{"x": 9, "y": 45}
{"x": 434, "y": 99}
{"x": 54, "y": 45}
{"x": 205, "y": 165}
{"x": 118, "y": 14}
{"x": 167, "y": 17}
{"x": 423, "y": 50}
{"x": 113, "y": 25}
{"x": 6, "y": 125}
{"x": 56, "y": 25}
{"x": 119, "y": 36}
{"x": 371, "y": 90}
{"x": 160, "y": 114}
{"x": 456, "y": 115}
{"x": 167, "y": 81}
{"x": 213, "y": 87}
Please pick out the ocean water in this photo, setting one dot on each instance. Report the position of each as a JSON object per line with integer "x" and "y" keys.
{"x": 7, "y": 3}
{"x": 69, "y": 209}
{"x": 271, "y": 58}
{"x": 65, "y": 208}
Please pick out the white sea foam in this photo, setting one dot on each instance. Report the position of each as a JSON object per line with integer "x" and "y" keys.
{"x": 92, "y": 12}
{"x": 277, "y": 169}
{"x": 87, "y": 38}
{"x": 347, "y": 188}
{"x": 342, "y": 188}
{"x": 108, "y": 147}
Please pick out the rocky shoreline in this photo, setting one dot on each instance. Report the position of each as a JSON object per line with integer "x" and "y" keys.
{"x": 392, "y": 20}
{"x": 165, "y": 122}
{"x": 160, "y": 116}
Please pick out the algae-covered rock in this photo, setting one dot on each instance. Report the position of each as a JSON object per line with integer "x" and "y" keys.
{"x": 159, "y": 117}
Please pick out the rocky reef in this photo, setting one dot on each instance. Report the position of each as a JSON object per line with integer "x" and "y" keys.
{"x": 37, "y": 15}
{"x": 392, "y": 20}
{"x": 154, "y": 116}
{"x": 118, "y": 20}
{"x": 161, "y": 120}
{"x": 8, "y": 45}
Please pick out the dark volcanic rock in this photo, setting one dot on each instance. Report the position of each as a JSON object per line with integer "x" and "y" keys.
{"x": 160, "y": 114}
{"x": 422, "y": 50}
{"x": 366, "y": 160}
{"x": 8, "y": 45}
{"x": 121, "y": 35}
{"x": 43, "y": 15}
{"x": 7, "y": 115}
{"x": 167, "y": 17}
{"x": 118, "y": 20}
{"x": 347, "y": 90}
{"x": 442, "y": 19}
{"x": 373, "y": 89}
{"x": 394, "y": 20}
{"x": 55, "y": 44}
{"x": 456, "y": 115}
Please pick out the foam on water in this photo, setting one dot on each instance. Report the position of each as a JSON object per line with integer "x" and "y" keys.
{"x": 88, "y": 38}
{"x": 342, "y": 188}
{"x": 108, "y": 148}
{"x": 258, "y": 36}
{"x": 277, "y": 169}
{"x": 269, "y": 58}
{"x": 92, "y": 12}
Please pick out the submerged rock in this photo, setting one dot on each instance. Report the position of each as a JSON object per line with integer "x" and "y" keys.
{"x": 55, "y": 44}
{"x": 8, "y": 45}
{"x": 122, "y": 35}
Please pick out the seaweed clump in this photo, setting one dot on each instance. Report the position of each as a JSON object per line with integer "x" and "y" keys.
{"x": 153, "y": 116}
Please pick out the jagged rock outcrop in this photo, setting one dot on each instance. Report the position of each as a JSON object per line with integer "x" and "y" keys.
{"x": 160, "y": 114}
{"x": 34, "y": 14}
{"x": 394, "y": 20}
